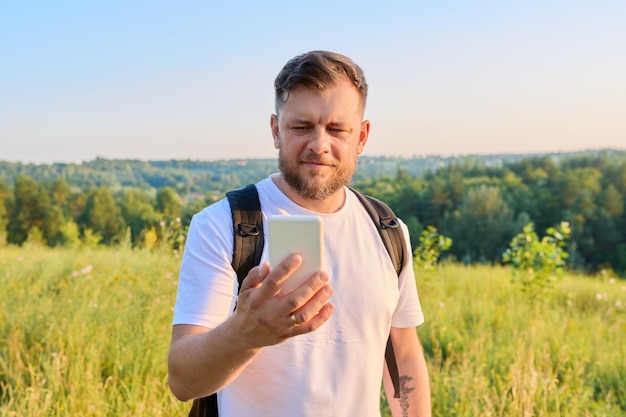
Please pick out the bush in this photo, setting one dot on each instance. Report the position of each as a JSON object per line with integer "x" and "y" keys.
{"x": 431, "y": 245}
{"x": 540, "y": 262}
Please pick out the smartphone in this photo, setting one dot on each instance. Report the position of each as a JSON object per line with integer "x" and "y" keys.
{"x": 295, "y": 234}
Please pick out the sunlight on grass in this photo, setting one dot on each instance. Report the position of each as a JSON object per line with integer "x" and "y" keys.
{"x": 86, "y": 333}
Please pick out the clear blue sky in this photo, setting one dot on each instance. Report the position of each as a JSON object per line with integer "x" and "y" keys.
{"x": 194, "y": 79}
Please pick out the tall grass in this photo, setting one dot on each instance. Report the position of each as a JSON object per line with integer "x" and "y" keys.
{"x": 86, "y": 333}
{"x": 492, "y": 352}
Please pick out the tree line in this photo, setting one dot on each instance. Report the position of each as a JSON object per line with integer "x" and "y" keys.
{"x": 54, "y": 214}
{"x": 195, "y": 176}
{"x": 481, "y": 203}
{"x": 483, "y": 207}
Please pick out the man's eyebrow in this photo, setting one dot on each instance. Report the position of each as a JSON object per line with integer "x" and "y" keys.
{"x": 299, "y": 121}
{"x": 338, "y": 124}
{"x": 305, "y": 121}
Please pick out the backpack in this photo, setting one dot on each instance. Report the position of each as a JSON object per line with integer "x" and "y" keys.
{"x": 248, "y": 248}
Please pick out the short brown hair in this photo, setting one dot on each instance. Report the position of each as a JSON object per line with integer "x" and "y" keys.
{"x": 318, "y": 70}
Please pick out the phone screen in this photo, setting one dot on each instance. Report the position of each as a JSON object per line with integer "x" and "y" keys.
{"x": 295, "y": 234}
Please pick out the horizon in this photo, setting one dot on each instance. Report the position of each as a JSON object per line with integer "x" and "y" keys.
{"x": 429, "y": 156}
{"x": 160, "y": 81}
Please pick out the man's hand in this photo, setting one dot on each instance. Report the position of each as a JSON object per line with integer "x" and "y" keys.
{"x": 267, "y": 316}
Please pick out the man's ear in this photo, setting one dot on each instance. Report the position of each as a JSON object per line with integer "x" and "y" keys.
{"x": 275, "y": 132}
{"x": 363, "y": 135}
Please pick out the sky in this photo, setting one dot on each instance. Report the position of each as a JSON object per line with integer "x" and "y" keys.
{"x": 161, "y": 80}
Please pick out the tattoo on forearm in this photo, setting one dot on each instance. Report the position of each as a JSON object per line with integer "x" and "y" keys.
{"x": 405, "y": 390}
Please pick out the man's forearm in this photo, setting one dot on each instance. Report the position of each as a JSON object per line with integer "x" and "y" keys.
{"x": 415, "y": 393}
{"x": 202, "y": 362}
{"x": 414, "y": 387}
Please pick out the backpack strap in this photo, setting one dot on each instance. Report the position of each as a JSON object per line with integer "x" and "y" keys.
{"x": 391, "y": 234}
{"x": 388, "y": 227}
{"x": 204, "y": 407}
{"x": 248, "y": 229}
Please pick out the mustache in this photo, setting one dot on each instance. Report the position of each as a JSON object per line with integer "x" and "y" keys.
{"x": 317, "y": 159}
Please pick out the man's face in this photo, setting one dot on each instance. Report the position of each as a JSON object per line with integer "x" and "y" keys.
{"x": 319, "y": 137}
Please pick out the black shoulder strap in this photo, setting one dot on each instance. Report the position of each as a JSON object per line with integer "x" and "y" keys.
{"x": 388, "y": 227}
{"x": 248, "y": 229}
{"x": 391, "y": 233}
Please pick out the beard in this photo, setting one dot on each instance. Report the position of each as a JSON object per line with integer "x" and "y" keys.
{"x": 315, "y": 187}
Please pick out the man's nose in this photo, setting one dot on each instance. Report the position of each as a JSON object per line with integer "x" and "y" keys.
{"x": 319, "y": 141}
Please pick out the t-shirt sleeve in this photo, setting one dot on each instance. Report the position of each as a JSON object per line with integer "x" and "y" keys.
{"x": 207, "y": 282}
{"x": 408, "y": 313}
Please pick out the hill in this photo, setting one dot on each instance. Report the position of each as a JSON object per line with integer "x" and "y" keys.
{"x": 192, "y": 176}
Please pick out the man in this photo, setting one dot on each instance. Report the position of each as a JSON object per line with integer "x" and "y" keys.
{"x": 319, "y": 350}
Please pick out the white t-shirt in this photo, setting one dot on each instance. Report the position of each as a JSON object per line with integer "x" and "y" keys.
{"x": 334, "y": 371}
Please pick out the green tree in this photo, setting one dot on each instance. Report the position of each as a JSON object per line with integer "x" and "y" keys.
{"x": 456, "y": 184}
{"x": 612, "y": 201}
{"x": 193, "y": 205}
{"x": 516, "y": 193}
{"x": 604, "y": 233}
{"x": 76, "y": 203}
{"x": 169, "y": 204}
{"x": 53, "y": 226}
{"x": 415, "y": 230}
{"x": 406, "y": 201}
{"x": 618, "y": 258}
{"x": 481, "y": 227}
{"x": 30, "y": 209}
{"x": 138, "y": 213}
{"x": 59, "y": 193}
{"x": 70, "y": 234}
{"x": 5, "y": 196}
{"x": 102, "y": 216}
{"x": 440, "y": 199}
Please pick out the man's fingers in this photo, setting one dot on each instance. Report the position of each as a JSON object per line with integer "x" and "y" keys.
{"x": 315, "y": 322}
{"x": 255, "y": 277}
{"x": 280, "y": 273}
{"x": 313, "y": 305}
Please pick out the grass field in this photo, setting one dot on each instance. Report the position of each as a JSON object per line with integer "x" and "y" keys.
{"x": 85, "y": 333}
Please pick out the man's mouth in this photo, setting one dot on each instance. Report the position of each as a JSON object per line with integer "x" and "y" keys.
{"x": 317, "y": 162}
